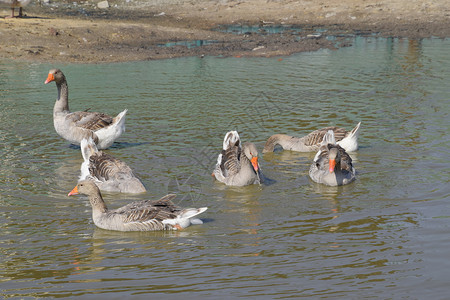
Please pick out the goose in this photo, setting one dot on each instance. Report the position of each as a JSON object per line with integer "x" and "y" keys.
{"x": 74, "y": 126}
{"x": 144, "y": 215}
{"x": 109, "y": 173}
{"x": 332, "y": 165}
{"x": 311, "y": 142}
{"x": 235, "y": 165}
{"x": 16, "y": 3}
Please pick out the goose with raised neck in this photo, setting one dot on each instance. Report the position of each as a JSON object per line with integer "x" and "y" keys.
{"x": 75, "y": 126}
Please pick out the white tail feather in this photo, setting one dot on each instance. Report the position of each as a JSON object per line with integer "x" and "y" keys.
{"x": 350, "y": 142}
{"x": 328, "y": 138}
{"x": 120, "y": 117}
{"x": 185, "y": 218}
{"x": 355, "y": 131}
{"x": 191, "y": 212}
{"x": 88, "y": 148}
{"x": 219, "y": 160}
{"x": 230, "y": 137}
{"x": 107, "y": 135}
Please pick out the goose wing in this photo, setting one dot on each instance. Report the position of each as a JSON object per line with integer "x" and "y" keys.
{"x": 143, "y": 211}
{"x": 346, "y": 160}
{"x": 90, "y": 120}
{"x": 231, "y": 164}
{"x": 321, "y": 158}
{"x": 316, "y": 137}
{"x": 105, "y": 166}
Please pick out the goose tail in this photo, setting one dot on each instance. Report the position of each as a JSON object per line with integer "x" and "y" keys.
{"x": 350, "y": 142}
{"x": 186, "y": 217}
{"x": 328, "y": 138}
{"x": 88, "y": 148}
{"x": 232, "y": 137}
{"x": 120, "y": 118}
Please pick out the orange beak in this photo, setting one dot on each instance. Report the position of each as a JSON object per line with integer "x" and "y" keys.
{"x": 255, "y": 165}
{"x": 50, "y": 78}
{"x": 74, "y": 191}
{"x": 332, "y": 164}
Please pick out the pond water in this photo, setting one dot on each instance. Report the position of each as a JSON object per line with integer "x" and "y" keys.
{"x": 384, "y": 236}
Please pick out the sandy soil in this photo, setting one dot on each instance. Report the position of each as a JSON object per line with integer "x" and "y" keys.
{"x": 133, "y": 30}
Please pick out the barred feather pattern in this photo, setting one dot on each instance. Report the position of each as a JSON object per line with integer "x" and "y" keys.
{"x": 316, "y": 137}
{"x": 104, "y": 166}
{"x": 148, "y": 210}
{"x": 91, "y": 120}
{"x": 141, "y": 215}
{"x": 230, "y": 164}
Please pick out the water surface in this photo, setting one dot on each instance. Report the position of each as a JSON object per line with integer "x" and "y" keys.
{"x": 383, "y": 236}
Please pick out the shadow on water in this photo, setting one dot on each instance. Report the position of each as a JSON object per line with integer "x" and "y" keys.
{"x": 124, "y": 145}
{"x": 116, "y": 145}
{"x": 207, "y": 220}
{"x": 266, "y": 181}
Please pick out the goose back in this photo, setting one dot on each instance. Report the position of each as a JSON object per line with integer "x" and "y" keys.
{"x": 109, "y": 173}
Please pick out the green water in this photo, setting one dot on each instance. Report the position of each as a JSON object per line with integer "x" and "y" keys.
{"x": 384, "y": 236}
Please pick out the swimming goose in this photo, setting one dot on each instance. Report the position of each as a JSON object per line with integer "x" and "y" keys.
{"x": 16, "y": 3}
{"x": 145, "y": 215}
{"x": 332, "y": 165}
{"x": 75, "y": 126}
{"x": 311, "y": 142}
{"x": 109, "y": 173}
{"x": 235, "y": 165}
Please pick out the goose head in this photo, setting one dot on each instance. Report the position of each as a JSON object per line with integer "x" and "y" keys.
{"x": 85, "y": 187}
{"x": 55, "y": 75}
{"x": 251, "y": 153}
{"x": 333, "y": 158}
{"x": 89, "y": 188}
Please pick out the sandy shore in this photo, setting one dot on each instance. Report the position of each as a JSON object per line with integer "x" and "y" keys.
{"x": 133, "y": 31}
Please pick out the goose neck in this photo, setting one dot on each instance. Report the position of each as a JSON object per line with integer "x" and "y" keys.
{"x": 62, "y": 102}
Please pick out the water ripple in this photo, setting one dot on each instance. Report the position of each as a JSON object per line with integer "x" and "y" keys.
{"x": 381, "y": 236}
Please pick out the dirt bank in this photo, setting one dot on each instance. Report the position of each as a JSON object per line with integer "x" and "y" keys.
{"x": 133, "y": 30}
